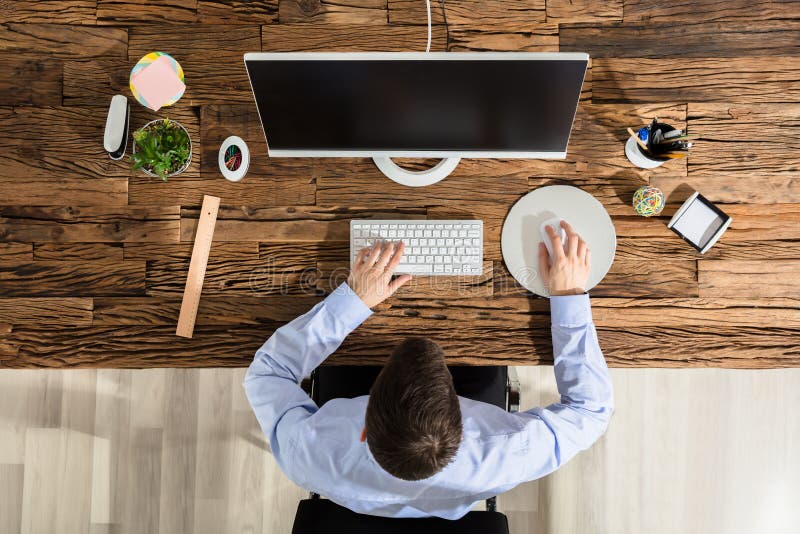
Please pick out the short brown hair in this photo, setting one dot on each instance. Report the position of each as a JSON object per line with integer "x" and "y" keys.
{"x": 413, "y": 419}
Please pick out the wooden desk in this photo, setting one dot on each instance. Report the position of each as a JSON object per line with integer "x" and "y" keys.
{"x": 93, "y": 258}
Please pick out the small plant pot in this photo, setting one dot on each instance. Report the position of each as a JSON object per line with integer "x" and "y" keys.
{"x": 185, "y": 166}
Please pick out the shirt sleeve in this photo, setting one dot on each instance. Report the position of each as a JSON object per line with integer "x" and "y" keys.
{"x": 559, "y": 431}
{"x": 272, "y": 382}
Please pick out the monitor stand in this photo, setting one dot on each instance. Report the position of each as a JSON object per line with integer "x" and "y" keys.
{"x": 402, "y": 176}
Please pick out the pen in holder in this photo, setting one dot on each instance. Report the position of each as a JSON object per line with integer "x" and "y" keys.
{"x": 652, "y": 146}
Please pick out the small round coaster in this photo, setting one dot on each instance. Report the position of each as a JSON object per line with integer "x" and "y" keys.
{"x": 234, "y": 158}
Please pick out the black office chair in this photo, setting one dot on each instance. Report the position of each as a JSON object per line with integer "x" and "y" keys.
{"x": 495, "y": 385}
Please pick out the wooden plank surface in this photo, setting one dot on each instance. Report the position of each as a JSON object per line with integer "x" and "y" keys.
{"x": 214, "y": 310}
{"x": 506, "y": 38}
{"x": 64, "y": 311}
{"x": 78, "y": 251}
{"x": 332, "y": 11}
{"x": 30, "y": 81}
{"x": 772, "y": 79}
{"x": 237, "y": 11}
{"x": 63, "y": 40}
{"x": 710, "y": 39}
{"x": 704, "y": 10}
{"x": 93, "y": 81}
{"x": 89, "y": 224}
{"x": 567, "y": 11}
{"x": 748, "y": 278}
{"x": 71, "y": 278}
{"x": 93, "y": 256}
{"x": 347, "y": 37}
{"x": 142, "y": 11}
{"x": 49, "y": 11}
{"x": 51, "y": 189}
{"x": 16, "y": 251}
{"x": 469, "y": 13}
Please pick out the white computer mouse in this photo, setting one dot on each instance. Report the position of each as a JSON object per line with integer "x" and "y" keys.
{"x": 555, "y": 222}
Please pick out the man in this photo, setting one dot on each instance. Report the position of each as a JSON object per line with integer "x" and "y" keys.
{"x": 413, "y": 448}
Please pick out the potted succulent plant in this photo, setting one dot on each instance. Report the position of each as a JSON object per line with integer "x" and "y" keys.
{"x": 161, "y": 148}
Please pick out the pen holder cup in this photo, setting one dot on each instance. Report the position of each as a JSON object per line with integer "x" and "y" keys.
{"x": 638, "y": 157}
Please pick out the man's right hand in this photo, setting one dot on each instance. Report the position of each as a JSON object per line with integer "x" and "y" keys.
{"x": 569, "y": 271}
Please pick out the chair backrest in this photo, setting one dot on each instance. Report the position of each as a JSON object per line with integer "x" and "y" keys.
{"x": 321, "y": 516}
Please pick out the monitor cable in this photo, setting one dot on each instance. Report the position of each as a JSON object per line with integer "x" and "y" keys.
{"x": 428, "y": 6}
{"x": 446, "y": 26}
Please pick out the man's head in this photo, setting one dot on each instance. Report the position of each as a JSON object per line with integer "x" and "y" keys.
{"x": 413, "y": 422}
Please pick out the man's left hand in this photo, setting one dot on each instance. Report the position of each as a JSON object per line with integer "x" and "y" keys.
{"x": 371, "y": 277}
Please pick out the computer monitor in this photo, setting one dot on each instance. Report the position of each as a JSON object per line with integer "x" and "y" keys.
{"x": 418, "y": 105}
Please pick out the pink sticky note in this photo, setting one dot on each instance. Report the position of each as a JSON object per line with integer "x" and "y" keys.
{"x": 158, "y": 83}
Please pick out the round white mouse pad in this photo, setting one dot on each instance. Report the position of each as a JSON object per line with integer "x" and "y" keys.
{"x": 521, "y": 237}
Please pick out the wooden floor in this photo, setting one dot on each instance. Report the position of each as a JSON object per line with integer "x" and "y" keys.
{"x": 178, "y": 451}
{"x": 93, "y": 257}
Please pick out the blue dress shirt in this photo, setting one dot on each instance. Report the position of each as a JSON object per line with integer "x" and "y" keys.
{"x": 319, "y": 448}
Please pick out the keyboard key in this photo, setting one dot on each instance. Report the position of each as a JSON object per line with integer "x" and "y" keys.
{"x": 419, "y": 268}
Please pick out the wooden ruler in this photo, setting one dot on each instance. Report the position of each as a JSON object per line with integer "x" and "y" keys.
{"x": 197, "y": 267}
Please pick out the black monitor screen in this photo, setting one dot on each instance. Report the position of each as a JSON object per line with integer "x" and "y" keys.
{"x": 424, "y": 105}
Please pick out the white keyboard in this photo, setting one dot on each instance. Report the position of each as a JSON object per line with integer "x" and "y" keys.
{"x": 436, "y": 248}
